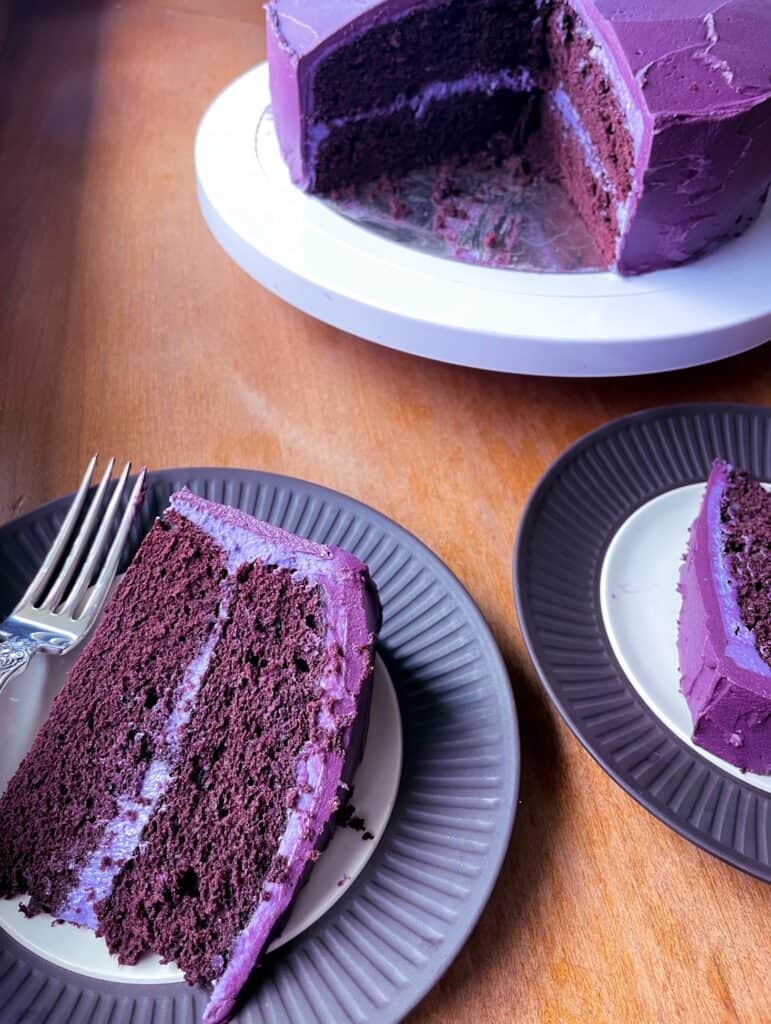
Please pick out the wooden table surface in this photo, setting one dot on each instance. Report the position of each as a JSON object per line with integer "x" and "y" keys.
{"x": 125, "y": 328}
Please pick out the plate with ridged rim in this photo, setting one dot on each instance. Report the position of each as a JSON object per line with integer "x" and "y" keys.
{"x": 398, "y": 926}
{"x": 513, "y": 321}
{"x": 595, "y": 576}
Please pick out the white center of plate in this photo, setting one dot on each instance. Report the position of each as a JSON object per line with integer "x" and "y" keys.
{"x": 24, "y": 705}
{"x": 640, "y": 606}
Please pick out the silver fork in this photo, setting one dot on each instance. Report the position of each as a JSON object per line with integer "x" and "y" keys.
{"x": 52, "y": 616}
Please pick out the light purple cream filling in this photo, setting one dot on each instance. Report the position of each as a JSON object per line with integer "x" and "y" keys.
{"x": 118, "y": 844}
{"x": 322, "y": 772}
{"x": 122, "y": 835}
{"x": 487, "y": 83}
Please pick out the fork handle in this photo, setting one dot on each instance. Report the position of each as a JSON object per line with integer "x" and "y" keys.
{"x": 15, "y": 654}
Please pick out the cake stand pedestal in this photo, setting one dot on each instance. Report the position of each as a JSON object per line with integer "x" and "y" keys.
{"x": 566, "y": 325}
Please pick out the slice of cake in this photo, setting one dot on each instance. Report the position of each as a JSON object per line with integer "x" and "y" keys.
{"x": 190, "y": 770}
{"x": 725, "y": 622}
{"x": 654, "y": 114}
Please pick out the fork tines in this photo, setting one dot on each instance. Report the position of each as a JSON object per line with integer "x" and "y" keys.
{"x": 76, "y": 558}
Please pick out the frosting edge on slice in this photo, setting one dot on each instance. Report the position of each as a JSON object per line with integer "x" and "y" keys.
{"x": 723, "y": 678}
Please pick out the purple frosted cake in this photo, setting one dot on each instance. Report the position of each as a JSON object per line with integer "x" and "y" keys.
{"x": 654, "y": 114}
{"x": 725, "y": 622}
{"x": 190, "y": 770}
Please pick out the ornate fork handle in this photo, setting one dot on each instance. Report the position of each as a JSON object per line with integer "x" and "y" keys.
{"x": 15, "y": 653}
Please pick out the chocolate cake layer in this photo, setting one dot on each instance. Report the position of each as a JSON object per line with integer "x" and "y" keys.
{"x": 191, "y": 768}
{"x": 89, "y": 760}
{"x": 396, "y": 59}
{"x": 393, "y": 143}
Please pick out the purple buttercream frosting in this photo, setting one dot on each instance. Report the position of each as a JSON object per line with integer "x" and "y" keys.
{"x": 122, "y": 835}
{"x": 725, "y": 681}
{"x": 692, "y": 78}
{"x": 698, "y": 72}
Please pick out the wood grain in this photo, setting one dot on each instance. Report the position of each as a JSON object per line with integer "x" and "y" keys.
{"x": 124, "y": 328}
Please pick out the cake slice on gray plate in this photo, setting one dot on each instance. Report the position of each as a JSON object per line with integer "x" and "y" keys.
{"x": 191, "y": 768}
{"x": 724, "y": 637}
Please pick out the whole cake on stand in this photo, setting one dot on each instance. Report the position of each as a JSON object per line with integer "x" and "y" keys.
{"x": 655, "y": 116}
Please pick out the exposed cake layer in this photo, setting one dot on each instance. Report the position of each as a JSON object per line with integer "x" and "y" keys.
{"x": 212, "y": 845}
{"x": 746, "y": 520}
{"x": 573, "y": 161}
{"x": 676, "y": 100}
{"x": 382, "y": 73}
{"x": 457, "y": 118}
{"x": 724, "y": 678}
{"x": 376, "y": 66}
{"x": 89, "y": 762}
{"x": 257, "y": 725}
{"x": 586, "y": 128}
{"x": 580, "y": 70}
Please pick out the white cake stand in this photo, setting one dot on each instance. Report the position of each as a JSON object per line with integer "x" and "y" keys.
{"x": 569, "y": 325}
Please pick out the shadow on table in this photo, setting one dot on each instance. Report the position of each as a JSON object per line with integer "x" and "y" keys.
{"x": 48, "y": 92}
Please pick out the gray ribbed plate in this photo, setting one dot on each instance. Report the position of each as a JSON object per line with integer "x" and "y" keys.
{"x": 571, "y": 519}
{"x": 382, "y": 946}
